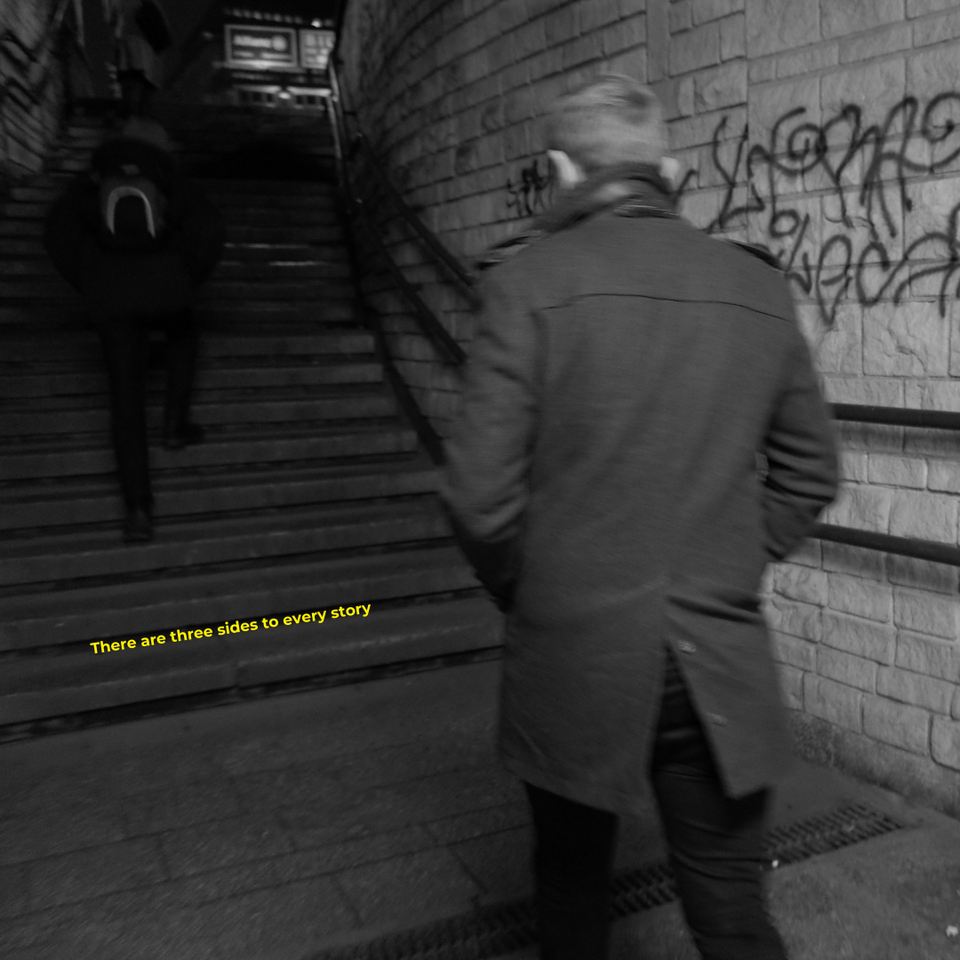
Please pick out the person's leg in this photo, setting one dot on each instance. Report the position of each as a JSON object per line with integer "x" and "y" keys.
{"x": 716, "y": 843}
{"x": 125, "y": 353}
{"x": 572, "y": 864}
{"x": 183, "y": 339}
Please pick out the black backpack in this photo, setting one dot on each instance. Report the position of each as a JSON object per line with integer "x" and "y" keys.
{"x": 134, "y": 182}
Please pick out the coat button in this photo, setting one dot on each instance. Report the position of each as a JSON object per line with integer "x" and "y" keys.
{"x": 685, "y": 646}
{"x": 717, "y": 718}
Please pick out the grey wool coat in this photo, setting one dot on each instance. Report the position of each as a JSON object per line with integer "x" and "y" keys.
{"x": 602, "y": 476}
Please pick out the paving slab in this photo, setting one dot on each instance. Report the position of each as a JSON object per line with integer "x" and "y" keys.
{"x": 278, "y": 828}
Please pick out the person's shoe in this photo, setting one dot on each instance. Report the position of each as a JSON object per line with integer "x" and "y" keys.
{"x": 137, "y": 526}
{"x": 183, "y": 436}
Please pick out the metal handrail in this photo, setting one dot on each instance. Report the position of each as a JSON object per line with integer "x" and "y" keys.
{"x": 428, "y": 436}
{"x": 465, "y": 281}
{"x": 896, "y": 416}
{"x": 901, "y": 546}
{"x": 444, "y": 343}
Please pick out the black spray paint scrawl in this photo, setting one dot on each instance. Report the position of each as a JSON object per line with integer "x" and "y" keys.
{"x": 864, "y": 169}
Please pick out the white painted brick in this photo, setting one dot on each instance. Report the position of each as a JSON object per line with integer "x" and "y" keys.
{"x": 832, "y": 701}
{"x": 857, "y": 561}
{"x": 791, "y": 686}
{"x": 936, "y": 70}
{"x": 955, "y": 707}
{"x": 864, "y": 638}
{"x": 925, "y": 613}
{"x": 801, "y": 583}
{"x": 863, "y": 598}
{"x": 793, "y": 618}
{"x": 771, "y": 101}
{"x": 623, "y": 35}
{"x": 705, "y": 10}
{"x": 854, "y": 466}
{"x": 928, "y": 655}
{"x": 762, "y": 71}
{"x": 840, "y": 347}
{"x": 846, "y": 668}
{"x": 853, "y": 16}
{"x": 723, "y": 86}
{"x": 945, "y": 742}
{"x": 680, "y": 16}
{"x": 794, "y": 651}
{"x": 686, "y": 96}
{"x": 871, "y": 391}
{"x": 944, "y": 475}
{"x": 864, "y": 507}
{"x": 808, "y": 60}
{"x": 923, "y": 574}
{"x": 897, "y": 471}
{"x": 774, "y": 25}
{"x": 896, "y": 37}
{"x": 694, "y": 49}
{"x": 917, "y": 8}
{"x": 916, "y": 689}
{"x": 926, "y": 515}
{"x": 911, "y": 341}
{"x": 937, "y": 29}
{"x": 874, "y": 87}
{"x": 898, "y": 724}
{"x": 733, "y": 37}
{"x": 593, "y": 13}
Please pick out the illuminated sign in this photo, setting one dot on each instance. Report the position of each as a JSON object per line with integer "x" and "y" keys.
{"x": 315, "y": 47}
{"x": 265, "y": 48}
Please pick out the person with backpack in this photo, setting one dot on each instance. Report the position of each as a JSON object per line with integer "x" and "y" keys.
{"x": 137, "y": 240}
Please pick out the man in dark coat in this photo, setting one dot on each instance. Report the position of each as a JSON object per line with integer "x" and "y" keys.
{"x": 129, "y": 290}
{"x": 627, "y": 375}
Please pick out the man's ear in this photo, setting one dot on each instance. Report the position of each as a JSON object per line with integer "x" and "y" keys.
{"x": 569, "y": 172}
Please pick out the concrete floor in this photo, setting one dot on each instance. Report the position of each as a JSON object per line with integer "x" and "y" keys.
{"x": 272, "y": 829}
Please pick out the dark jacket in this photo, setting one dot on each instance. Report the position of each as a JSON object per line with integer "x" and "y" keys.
{"x": 626, "y": 371}
{"x": 118, "y": 284}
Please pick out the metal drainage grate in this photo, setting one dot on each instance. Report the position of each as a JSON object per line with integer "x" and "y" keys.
{"x": 498, "y": 930}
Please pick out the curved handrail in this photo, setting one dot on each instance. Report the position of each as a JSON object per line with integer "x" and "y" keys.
{"x": 444, "y": 343}
{"x": 464, "y": 280}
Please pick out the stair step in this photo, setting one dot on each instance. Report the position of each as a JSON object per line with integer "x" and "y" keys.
{"x": 206, "y": 541}
{"x": 24, "y": 344}
{"x": 319, "y": 443}
{"x": 86, "y": 500}
{"x": 347, "y": 405}
{"x": 159, "y": 605}
{"x": 78, "y": 680}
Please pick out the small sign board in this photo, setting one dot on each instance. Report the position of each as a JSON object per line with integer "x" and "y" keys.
{"x": 264, "y": 48}
{"x": 315, "y": 47}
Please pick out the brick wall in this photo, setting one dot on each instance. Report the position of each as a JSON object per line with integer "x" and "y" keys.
{"x": 26, "y": 128}
{"x": 829, "y": 132}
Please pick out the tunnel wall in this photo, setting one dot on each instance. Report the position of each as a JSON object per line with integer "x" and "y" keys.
{"x": 26, "y": 130}
{"x": 826, "y": 131}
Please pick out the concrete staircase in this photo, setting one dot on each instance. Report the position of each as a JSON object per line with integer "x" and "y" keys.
{"x": 309, "y": 493}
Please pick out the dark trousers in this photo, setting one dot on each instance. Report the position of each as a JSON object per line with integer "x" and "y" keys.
{"x": 716, "y": 851}
{"x": 125, "y": 349}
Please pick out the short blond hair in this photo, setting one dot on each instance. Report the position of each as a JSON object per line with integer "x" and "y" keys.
{"x": 607, "y": 121}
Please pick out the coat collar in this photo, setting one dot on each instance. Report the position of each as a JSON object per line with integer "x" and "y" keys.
{"x": 633, "y": 189}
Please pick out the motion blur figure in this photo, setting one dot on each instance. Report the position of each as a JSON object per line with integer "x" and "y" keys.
{"x": 137, "y": 240}
{"x": 602, "y": 476}
{"x": 140, "y": 35}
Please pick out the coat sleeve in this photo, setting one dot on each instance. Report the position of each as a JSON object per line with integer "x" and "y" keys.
{"x": 801, "y": 452}
{"x": 486, "y": 484}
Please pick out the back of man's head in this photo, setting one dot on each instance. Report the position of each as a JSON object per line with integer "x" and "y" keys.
{"x": 607, "y": 121}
